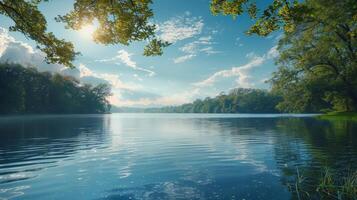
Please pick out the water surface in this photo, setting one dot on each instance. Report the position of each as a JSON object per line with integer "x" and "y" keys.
{"x": 167, "y": 156}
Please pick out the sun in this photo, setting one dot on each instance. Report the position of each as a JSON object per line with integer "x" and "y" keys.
{"x": 87, "y": 31}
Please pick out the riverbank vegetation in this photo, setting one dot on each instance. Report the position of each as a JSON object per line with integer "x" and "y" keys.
{"x": 330, "y": 185}
{"x": 318, "y": 59}
{"x": 339, "y": 116}
{"x": 27, "y": 91}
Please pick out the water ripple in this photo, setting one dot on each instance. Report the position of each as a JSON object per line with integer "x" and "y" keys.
{"x": 165, "y": 156}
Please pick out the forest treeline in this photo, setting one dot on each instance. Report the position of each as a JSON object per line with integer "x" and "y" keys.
{"x": 25, "y": 91}
{"x": 240, "y": 100}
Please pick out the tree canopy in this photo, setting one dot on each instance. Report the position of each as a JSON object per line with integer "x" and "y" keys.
{"x": 25, "y": 90}
{"x": 119, "y": 22}
{"x": 318, "y": 60}
{"x": 279, "y": 14}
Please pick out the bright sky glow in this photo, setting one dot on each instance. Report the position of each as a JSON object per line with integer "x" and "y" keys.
{"x": 87, "y": 31}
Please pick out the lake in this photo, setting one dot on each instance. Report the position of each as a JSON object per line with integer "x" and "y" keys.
{"x": 168, "y": 156}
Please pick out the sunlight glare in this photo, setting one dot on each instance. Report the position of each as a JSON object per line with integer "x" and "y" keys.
{"x": 87, "y": 31}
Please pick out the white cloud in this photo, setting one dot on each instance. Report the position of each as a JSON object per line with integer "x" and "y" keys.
{"x": 242, "y": 73}
{"x": 273, "y": 52}
{"x": 84, "y": 71}
{"x": 184, "y": 58}
{"x": 125, "y": 58}
{"x": 180, "y": 28}
{"x": 87, "y": 75}
{"x": 189, "y": 48}
{"x": 209, "y": 50}
{"x": 150, "y": 72}
{"x": 250, "y": 55}
{"x": 126, "y": 94}
{"x": 201, "y": 45}
{"x": 5, "y": 39}
{"x": 14, "y": 51}
{"x": 107, "y": 59}
{"x": 184, "y": 27}
{"x": 174, "y": 99}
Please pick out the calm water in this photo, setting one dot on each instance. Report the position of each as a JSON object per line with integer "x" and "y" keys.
{"x": 167, "y": 156}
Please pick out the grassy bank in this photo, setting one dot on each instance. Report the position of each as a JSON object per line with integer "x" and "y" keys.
{"x": 330, "y": 186}
{"x": 339, "y": 116}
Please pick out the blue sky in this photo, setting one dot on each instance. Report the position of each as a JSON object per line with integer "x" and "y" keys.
{"x": 209, "y": 54}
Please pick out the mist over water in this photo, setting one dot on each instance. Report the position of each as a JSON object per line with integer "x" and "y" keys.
{"x": 167, "y": 156}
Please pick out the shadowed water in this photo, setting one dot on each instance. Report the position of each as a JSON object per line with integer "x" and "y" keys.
{"x": 167, "y": 156}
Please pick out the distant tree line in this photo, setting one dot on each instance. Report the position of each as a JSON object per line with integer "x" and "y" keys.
{"x": 240, "y": 100}
{"x": 25, "y": 90}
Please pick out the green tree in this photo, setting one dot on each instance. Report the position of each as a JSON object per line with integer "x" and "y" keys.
{"x": 25, "y": 90}
{"x": 120, "y": 22}
{"x": 12, "y": 92}
{"x": 318, "y": 60}
{"x": 278, "y": 14}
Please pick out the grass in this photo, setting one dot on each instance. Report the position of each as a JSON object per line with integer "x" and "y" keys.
{"x": 330, "y": 186}
{"x": 338, "y": 187}
{"x": 339, "y": 116}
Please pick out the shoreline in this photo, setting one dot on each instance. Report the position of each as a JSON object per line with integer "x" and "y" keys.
{"x": 339, "y": 116}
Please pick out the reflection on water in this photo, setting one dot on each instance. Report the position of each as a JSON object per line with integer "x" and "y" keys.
{"x": 167, "y": 156}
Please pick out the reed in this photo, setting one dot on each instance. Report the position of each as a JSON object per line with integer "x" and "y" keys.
{"x": 330, "y": 186}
